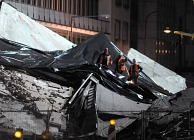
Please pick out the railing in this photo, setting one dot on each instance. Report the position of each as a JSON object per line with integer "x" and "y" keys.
{"x": 57, "y": 17}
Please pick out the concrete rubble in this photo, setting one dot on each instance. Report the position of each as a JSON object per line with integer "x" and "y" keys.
{"x": 25, "y": 101}
{"x": 95, "y": 93}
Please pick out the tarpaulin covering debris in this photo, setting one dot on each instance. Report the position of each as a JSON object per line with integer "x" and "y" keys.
{"x": 66, "y": 91}
{"x": 69, "y": 68}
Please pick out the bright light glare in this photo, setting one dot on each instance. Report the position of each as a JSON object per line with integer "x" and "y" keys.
{"x": 112, "y": 122}
{"x": 167, "y": 31}
{"x": 18, "y": 134}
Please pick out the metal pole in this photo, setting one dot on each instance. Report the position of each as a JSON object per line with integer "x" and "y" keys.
{"x": 180, "y": 45}
{"x": 71, "y": 29}
{"x": 142, "y": 125}
{"x": 189, "y": 123}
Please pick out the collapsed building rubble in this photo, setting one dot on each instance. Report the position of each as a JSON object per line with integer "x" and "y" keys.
{"x": 81, "y": 97}
{"x": 93, "y": 97}
{"x": 26, "y": 100}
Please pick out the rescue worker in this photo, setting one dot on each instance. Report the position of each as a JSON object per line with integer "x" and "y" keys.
{"x": 104, "y": 58}
{"x": 120, "y": 64}
{"x": 134, "y": 71}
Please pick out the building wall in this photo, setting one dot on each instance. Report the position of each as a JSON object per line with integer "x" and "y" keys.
{"x": 57, "y": 15}
{"x": 153, "y": 16}
{"x": 186, "y": 68}
{"x": 120, "y": 21}
{"x": 170, "y": 50}
{"x": 121, "y": 24}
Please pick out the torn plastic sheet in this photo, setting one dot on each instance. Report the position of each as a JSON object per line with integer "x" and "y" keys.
{"x": 71, "y": 67}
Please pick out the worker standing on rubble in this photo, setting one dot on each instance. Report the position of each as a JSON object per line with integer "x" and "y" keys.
{"x": 104, "y": 58}
{"x": 120, "y": 64}
{"x": 134, "y": 71}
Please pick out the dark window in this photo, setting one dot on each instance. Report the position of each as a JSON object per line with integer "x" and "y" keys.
{"x": 33, "y": 2}
{"x": 39, "y": 3}
{"x": 117, "y": 29}
{"x": 78, "y": 7}
{"x": 118, "y": 2}
{"x": 56, "y": 6}
{"x": 60, "y": 5}
{"x": 83, "y": 8}
{"x": 28, "y": 1}
{"x": 126, "y": 4}
{"x": 125, "y": 31}
{"x": 74, "y": 7}
{"x": 69, "y": 6}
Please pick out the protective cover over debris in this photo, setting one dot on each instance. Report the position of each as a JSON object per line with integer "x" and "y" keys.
{"x": 66, "y": 92}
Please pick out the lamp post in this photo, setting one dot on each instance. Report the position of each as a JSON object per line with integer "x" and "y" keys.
{"x": 166, "y": 30}
{"x": 72, "y": 17}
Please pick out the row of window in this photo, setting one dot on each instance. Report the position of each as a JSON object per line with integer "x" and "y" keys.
{"x": 77, "y": 7}
{"x": 125, "y": 30}
{"x": 124, "y": 3}
{"x": 165, "y": 51}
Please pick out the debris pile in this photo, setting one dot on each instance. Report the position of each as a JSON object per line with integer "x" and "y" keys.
{"x": 66, "y": 92}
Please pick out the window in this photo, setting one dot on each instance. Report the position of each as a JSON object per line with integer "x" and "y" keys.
{"x": 39, "y": 3}
{"x": 126, "y": 4}
{"x": 55, "y": 5}
{"x": 78, "y": 7}
{"x": 28, "y": 2}
{"x": 65, "y": 6}
{"x": 74, "y": 7}
{"x": 33, "y": 2}
{"x": 44, "y": 3}
{"x": 60, "y": 5}
{"x": 117, "y": 29}
{"x": 69, "y": 6}
{"x": 125, "y": 31}
{"x": 118, "y": 2}
{"x": 83, "y": 8}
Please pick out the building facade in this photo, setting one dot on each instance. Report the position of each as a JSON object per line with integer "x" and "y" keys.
{"x": 170, "y": 50}
{"x": 137, "y": 24}
{"x": 77, "y": 20}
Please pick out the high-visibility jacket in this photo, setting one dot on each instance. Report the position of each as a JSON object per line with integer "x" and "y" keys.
{"x": 134, "y": 69}
{"x": 121, "y": 64}
{"x": 105, "y": 60}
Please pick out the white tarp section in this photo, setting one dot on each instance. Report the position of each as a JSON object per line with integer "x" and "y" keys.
{"x": 162, "y": 76}
{"x": 112, "y": 103}
{"x": 18, "y": 27}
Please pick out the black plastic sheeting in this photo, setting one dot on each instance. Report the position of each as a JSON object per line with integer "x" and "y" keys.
{"x": 69, "y": 67}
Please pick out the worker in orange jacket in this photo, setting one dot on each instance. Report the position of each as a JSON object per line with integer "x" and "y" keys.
{"x": 104, "y": 58}
{"x": 134, "y": 71}
{"x": 120, "y": 64}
